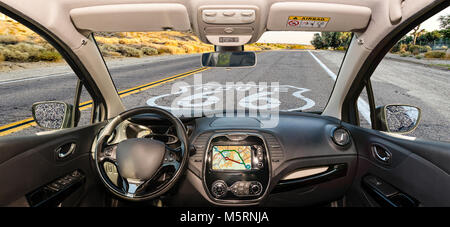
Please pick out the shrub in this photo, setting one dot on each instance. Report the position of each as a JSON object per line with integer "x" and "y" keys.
{"x": 435, "y": 54}
{"x": 26, "y": 52}
{"x": 149, "y": 50}
{"x": 424, "y": 49}
{"x": 170, "y": 50}
{"x": 403, "y": 47}
{"x": 33, "y": 51}
{"x": 419, "y": 56}
{"x": 48, "y": 55}
{"x": 108, "y": 47}
{"x": 130, "y": 51}
{"x": 414, "y": 49}
{"x": 405, "y": 54}
{"x": 8, "y": 39}
{"x": 111, "y": 54}
{"x": 14, "y": 55}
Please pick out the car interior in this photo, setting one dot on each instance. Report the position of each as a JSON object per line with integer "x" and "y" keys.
{"x": 306, "y": 159}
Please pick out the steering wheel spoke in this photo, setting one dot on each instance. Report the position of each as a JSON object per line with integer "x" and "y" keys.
{"x": 109, "y": 153}
{"x": 171, "y": 158}
{"x": 131, "y": 186}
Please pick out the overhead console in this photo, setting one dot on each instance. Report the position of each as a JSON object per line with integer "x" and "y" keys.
{"x": 228, "y": 25}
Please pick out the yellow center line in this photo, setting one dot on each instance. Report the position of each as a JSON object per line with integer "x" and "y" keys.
{"x": 122, "y": 94}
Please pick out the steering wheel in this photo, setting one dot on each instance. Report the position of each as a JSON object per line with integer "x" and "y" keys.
{"x": 142, "y": 163}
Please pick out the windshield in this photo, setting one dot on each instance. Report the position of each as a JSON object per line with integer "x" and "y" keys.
{"x": 294, "y": 71}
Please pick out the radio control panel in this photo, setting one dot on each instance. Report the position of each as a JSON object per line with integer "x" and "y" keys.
{"x": 220, "y": 188}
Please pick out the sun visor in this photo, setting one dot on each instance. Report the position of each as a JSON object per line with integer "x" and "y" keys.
{"x": 308, "y": 16}
{"x": 131, "y": 17}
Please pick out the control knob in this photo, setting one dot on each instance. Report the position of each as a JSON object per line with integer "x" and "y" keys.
{"x": 219, "y": 189}
{"x": 255, "y": 188}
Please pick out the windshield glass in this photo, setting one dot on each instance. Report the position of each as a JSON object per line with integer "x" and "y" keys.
{"x": 294, "y": 71}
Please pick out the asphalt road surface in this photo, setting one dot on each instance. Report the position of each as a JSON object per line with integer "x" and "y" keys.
{"x": 287, "y": 80}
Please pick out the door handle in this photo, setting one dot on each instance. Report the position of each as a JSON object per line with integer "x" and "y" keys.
{"x": 381, "y": 154}
{"x": 65, "y": 150}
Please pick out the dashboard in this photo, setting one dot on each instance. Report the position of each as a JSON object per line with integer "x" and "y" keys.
{"x": 305, "y": 159}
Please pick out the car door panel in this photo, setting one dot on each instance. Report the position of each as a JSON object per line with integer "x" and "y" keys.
{"x": 418, "y": 169}
{"x": 31, "y": 162}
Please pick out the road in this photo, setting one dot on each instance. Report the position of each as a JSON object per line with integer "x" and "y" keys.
{"x": 304, "y": 79}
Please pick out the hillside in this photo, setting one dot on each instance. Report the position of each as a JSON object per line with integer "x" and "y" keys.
{"x": 20, "y": 47}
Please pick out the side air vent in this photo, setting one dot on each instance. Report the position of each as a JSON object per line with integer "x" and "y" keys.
{"x": 200, "y": 144}
{"x": 275, "y": 150}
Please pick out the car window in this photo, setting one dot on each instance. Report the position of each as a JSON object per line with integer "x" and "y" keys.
{"x": 416, "y": 72}
{"x": 164, "y": 69}
{"x": 32, "y": 71}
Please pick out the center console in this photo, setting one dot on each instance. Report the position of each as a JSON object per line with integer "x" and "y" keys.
{"x": 236, "y": 168}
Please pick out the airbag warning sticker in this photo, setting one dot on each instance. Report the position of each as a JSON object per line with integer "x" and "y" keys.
{"x": 307, "y": 22}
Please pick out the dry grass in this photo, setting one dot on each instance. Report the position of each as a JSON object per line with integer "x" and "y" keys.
{"x": 151, "y": 43}
{"x": 435, "y": 54}
{"x": 20, "y": 44}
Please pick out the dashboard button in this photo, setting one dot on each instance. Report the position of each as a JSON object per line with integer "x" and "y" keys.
{"x": 219, "y": 189}
{"x": 229, "y": 13}
{"x": 255, "y": 188}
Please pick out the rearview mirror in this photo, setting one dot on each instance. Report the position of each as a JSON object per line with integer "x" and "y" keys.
{"x": 398, "y": 118}
{"x": 52, "y": 114}
{"x": 229, "y": 59}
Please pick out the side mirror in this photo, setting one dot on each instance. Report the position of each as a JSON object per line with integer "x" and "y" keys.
{"x": 400, "y": 119}
{"x": 53, "y": 114}
{"x": 229, "y": 59}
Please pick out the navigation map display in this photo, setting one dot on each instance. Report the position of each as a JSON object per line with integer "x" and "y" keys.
{"x": 231, "y": 158}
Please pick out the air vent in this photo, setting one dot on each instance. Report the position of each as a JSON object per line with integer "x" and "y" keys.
{"x": 200, "y": 144}
{"x": 275, "y": 150}
{"x": 196, "y": 160}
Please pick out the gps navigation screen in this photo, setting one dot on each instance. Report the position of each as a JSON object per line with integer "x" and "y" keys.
{"x": 231, "y": 158}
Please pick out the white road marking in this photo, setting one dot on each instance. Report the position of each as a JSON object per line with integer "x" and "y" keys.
{"x": 34, "y": 78}
{"x": 363, "y": 106}
{"x": 206, "y": 98}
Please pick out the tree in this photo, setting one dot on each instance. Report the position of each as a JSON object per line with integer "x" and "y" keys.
{"x": 346, "y": 38}
{"x": 416, "y": 32}
{"x": 444, "y": 21}
{"x": 445, "y": 33}
{"x": 317, "y": 41}
{"x": 445, "y": 25}
{"x": 429, "y": 37}
{"x": 331, "y": 40}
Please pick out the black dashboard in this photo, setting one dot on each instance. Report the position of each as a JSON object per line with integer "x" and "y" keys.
{"x": 304, "y": 159}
